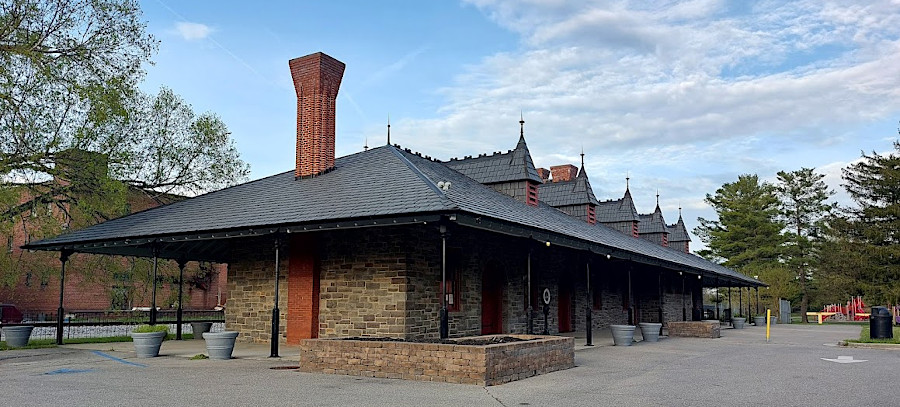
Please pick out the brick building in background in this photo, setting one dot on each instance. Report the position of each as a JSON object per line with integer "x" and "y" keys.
{"x": 385, "y": 242}
{"x": 97, "y": 282}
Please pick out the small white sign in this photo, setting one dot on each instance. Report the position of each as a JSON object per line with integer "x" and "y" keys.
{"x": 547, "y": 296}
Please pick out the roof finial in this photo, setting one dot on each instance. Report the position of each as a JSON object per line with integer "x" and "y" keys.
{"x": 366, "y": 145}
{"x": 657, "y": 198}
{"x": 582, "y": 156}
{"x": 521, "y": 124}
{"x": 627, "y": 180}
{"x": 389, "y": 129}
{"x": 679, "y": 210}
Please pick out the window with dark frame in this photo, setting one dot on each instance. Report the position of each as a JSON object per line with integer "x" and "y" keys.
{"x": 452, "y": 283}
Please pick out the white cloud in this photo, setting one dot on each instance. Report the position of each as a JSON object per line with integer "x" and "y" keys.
{"x": 192, "y": 31}
{"x": 684, "y": 96}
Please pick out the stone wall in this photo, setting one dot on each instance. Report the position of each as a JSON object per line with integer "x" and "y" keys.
{"x": 480, "y": 365}
{"x": 364, "y": 282}
{"x": 695, "y": 329}
{"x": 251, "y": 292}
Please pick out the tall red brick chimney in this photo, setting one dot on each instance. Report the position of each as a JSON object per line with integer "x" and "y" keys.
{"x": 317, "y": 78}
{"x": 565, "y": 172}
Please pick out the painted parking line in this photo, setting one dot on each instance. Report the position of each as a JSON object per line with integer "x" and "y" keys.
{"x": 111, "y": 357}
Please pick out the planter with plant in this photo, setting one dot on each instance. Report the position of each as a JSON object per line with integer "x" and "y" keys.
{"x": 738, "y": 322}
{"x": 148, "y": 339}
{"x": 17, "y": 336}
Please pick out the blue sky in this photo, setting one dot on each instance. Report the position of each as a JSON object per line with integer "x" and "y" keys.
{"x": 681, "y": 96}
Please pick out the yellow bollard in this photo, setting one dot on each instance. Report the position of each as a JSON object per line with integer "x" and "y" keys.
{"x": 768, "y": 321}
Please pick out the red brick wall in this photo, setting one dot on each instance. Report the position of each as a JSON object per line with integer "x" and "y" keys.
{"x": 317, "y": 78}
{"x": 566, "y": 172}
{"x": 303, "y": 290}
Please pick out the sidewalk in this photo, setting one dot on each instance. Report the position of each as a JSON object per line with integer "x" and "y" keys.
{"x": 189, "y": 348}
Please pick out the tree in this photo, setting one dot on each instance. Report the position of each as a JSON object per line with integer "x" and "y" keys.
{"x": 78, "y": 139}
{"x": 747, "y": 234}
{"x": 873, "y": 226}
{"x": 804, "y": 207}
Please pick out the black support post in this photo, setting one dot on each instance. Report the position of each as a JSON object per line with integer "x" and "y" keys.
{"x": 528, "y": 311}
{"x": 630, "y": 300}
{"x": 445, "y": 318}
{"x": 683, "y": 307}
{"x": 757, "y": 300}
{"x": 179, "y": 313}
{"x": 153, "y": 298}
{"x": 741, "y": 299}
{"x": 276, "y": 313}
{"x": 588, "y": 327}
{"x": 60, "y": 312}
{"x": 717, "y": 302}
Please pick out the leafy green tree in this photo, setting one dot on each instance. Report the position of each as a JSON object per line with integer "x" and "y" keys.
{"x": 746, "y": 236}
{"x": 873, "y": 226}
{"x": 78, "y": 140}
{"x": 804, "y": 207}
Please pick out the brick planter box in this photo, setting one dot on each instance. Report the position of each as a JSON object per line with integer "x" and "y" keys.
{"x": 695, "y": 329}
{"x": 484, "y": 365}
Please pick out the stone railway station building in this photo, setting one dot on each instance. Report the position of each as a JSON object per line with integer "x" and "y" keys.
{"x": 378, "y": 242}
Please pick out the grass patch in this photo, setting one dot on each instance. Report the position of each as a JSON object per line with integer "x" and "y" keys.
{"x": 32, "y": 344}
{"x": 199, "y": 356}
{"x": 865, "y": 336}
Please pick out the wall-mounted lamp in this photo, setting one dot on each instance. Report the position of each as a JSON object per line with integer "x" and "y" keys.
{"x": 608, "y": 257}
{"x": 548, "y": 243}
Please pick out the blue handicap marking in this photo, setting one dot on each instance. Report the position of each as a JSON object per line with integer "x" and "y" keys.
{"x": 111, "y": 357}
{"x": 66, "y": 371}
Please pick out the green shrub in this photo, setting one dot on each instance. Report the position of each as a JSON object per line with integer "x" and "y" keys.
{"x": 141, "y": 329}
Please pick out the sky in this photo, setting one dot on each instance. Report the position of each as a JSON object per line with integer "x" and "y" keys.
{"x": 679, "y": 96}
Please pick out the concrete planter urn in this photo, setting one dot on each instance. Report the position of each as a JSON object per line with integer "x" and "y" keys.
{"x": 623, "y": 335}
{"x": 650, "y": 331}
{"x": 199, "y": 328}
{"x": 17, "y": 336}
{"x": 759, "y": 320}
{"x": 220, "y": 345}
{"x": 774, "y": 320}
{"x": 147, "y": 344}
{"x": 738, "y": 322}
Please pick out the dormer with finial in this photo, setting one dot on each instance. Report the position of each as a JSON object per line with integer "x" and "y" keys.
{"x": 679, "y": 239}
{"x": 653, "y": 227}
{"x": 620, "y": 214}
{"x": 570, "y": 193}
{"x": 512, "y": 173}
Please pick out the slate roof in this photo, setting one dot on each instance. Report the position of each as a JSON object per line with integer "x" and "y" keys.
{"x": 652, "y": 222}
{"x": 678, "y": 232}
{"x": 575, "y": 192}
{"x": 514, "y": 165}
{"x": 379, "y": 182}
{"x": 618, "y": 210}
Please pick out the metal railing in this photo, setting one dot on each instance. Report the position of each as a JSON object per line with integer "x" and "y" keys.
{"x": 112, "y": 323}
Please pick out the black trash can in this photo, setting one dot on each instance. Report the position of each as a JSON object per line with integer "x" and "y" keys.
{"x": 880, "y": 323}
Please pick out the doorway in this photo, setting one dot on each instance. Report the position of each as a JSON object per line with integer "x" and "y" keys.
{"x": 491, "y": 301}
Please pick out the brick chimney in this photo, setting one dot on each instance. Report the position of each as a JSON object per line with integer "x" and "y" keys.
{"x": 544, "y": 174}
{"x": 565, "y": 172}
{"x": 317, "y": 78}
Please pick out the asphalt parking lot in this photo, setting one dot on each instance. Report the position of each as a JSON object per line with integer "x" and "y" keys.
{"x": 739, "y": 369}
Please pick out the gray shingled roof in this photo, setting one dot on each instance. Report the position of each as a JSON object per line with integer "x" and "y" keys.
{"x": 618, "y": 210}
{"x": 678, "y": 232}
{"x": 565, "y": 193}
{"x": 652, "y": 222}
{"x": 514, "y": 165}
{"x": 379, "y": 182}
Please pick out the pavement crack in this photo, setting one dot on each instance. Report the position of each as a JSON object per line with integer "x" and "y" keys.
{"x": 493, "y": 396}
